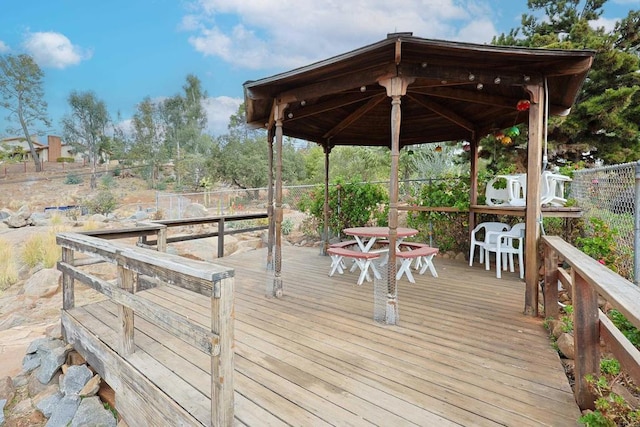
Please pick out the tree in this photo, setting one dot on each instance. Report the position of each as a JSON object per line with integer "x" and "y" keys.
{"x": 185, "y": 119}
{"x": 148, "y": 137}
{"x": 243, "y": 156}
{"x": 84, "y": 128}
{"x": 21, "y": 87}
{"x": 607, "y": 113}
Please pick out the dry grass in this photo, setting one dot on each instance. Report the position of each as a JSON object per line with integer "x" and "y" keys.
{"x": 8, "y": 267}
{"x": 41, "y": 248}
{"x": 91, "y": 225}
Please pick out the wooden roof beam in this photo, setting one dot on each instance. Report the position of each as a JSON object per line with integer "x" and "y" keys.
{"x": 443, "y": 111}
{"x": 467, "y": 74}
{"x": 333, "y": 103}
{"x": 468, "y": 96}
{"x": 361, "y": 111}
{"x": 337, "y": 84}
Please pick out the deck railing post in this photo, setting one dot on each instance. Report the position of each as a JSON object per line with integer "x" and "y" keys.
{"x": 162, "y": 239}
{"x": 126, "y": 281}
{"x": 68, "y": 295}
{"x": 221, "y": 238}
{"x": 550, "y": 282}
{"x": 222, "y": 318}
{"x": 586, "y": 337}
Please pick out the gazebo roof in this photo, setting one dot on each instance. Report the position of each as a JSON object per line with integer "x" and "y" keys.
{"x": 460, "y": 91}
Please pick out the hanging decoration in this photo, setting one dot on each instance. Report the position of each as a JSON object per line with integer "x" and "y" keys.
{"x": 499, "y": 135}
{"x": 513, "y": 131}
{"x": 438, "y": 149}
{"x": 506, "y": 140}
{"x": 523, "y": 105}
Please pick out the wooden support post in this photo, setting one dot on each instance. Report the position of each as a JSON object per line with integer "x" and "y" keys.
{"x": 68, "y": 291}
{"x": 277, "y": 290}
{"x": 325, "y": 211}
{"x": 533, "y": 209}
{"x": 125, "y": 314}
{"x": 272, "y": 225}
{"x": 473, "y": 193}
{"x": 586, "y": 338}
{"x": 396, "y": 87}
{"x": 222, "y": 365}
{"x": 162, "y": 240}
{"x": 550, "y": 282}
{"x": 221, "y": 238}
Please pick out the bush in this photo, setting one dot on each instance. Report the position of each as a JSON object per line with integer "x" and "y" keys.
{"x": 448, "y": 230}
{"x": 601, "y": 244}
{"x": 65, "y": 160}
{"x": 103, "y": 203}
{"x": 72, "y": 178}
{"x": 8, "y": 268}
{"x": 353, "y": 204}
{"x": 41, "y": 248}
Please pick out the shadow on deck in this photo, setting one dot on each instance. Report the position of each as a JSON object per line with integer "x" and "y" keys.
{"x": 462, "y": 354}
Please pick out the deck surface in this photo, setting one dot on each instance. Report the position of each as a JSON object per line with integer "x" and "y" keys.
{"x": 462, "y": 354}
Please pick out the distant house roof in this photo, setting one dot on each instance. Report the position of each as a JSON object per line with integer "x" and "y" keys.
{"x": 459, "y": 91}
{"x": 19, "y": 139}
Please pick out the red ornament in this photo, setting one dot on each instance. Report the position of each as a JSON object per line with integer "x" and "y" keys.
{"x": 523, "y": 105}
{"x": 499, "y": 135}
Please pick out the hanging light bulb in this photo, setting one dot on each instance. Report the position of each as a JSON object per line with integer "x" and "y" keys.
{"x": 438, "y": 149}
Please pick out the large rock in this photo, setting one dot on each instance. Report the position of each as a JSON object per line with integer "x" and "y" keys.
{"x": 20, "y": 218}
{"x": 92, "y": 413}
{"x": 195, "y": 210}
{"x": 7, "y": 389}
{"x": 43, "y": 284}
{"x": 50, "y": 363}
{"x": 64, "y": 412}
{"x": 565, "y": 345}
{"x": 75, "y": 379}
{"x": 2, "y": 403}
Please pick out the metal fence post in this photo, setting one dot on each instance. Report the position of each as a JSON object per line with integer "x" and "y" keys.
{"x": 636, "y": 228}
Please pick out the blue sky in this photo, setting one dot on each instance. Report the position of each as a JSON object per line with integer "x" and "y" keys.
{"x": 125, "y": 50}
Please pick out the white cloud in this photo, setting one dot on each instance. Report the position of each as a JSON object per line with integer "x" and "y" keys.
{"x": 4, "y": 48}
{"x": 55, "y": 50}
{"x": 606, "y": 23}
{"x": 291, "y": 33}
{"x": 219, "y": 110}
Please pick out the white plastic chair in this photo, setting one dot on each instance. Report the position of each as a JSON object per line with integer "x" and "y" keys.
{"x": 552, "y": 188}
{"x": 496, "y": 196}
{"x": 484, "y": 228}
{"x": 506, "y": 244}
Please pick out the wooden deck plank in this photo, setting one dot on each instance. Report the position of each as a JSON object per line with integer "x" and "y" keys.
{"x": 462, "y": 354}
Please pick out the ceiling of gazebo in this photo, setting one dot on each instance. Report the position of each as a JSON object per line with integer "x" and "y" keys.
{"x": 460, "y": 90}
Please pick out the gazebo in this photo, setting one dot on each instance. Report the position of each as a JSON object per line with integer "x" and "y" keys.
{"x": 407, "y": 90}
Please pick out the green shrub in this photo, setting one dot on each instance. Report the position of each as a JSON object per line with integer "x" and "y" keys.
{"x": 601, "y": 244}
{"x": 626, "y": 327}
{"x": 72, "y": 179}
{"x": 65, "y": 160}
{"x": 287, "y": 226}
{"x": 448, "y": 230}
{"x": 102, "y": 203}
{"x": 352, "y": 204}
{"x": 106, "y": 181}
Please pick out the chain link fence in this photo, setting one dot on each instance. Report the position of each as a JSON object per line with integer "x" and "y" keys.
{"x": 609, "y": 193}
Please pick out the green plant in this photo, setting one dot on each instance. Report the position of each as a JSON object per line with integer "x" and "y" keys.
{"x": 287, "y": 226}
{"x": 106, "y": 181}
{"x": 626, "y": 327}
{"x": 72, "y": 179}
{"x": 351, "y": 204}
{"x": 447, "y": 229}
{"x": 102, "y": 203}
{"x": 601, "y": 244}
{"x": 567, "y": 319}
{"x": 65, "y": 160}
{"x": 611, "y": 409}
{"x": 609, "y": 366}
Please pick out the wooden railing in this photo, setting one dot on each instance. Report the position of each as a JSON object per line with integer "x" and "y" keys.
{"x": 587, "y": 279}
{"x": 159, "y": 229}
{"x": 133, "y": 266}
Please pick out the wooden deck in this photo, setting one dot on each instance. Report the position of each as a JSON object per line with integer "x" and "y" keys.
{"x": 462, "y": 354}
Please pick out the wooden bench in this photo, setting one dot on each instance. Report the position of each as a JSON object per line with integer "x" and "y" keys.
{"x": 422, "y": 253}
{"x": 346, "y": 244}
{"x": 362, "y": 260}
